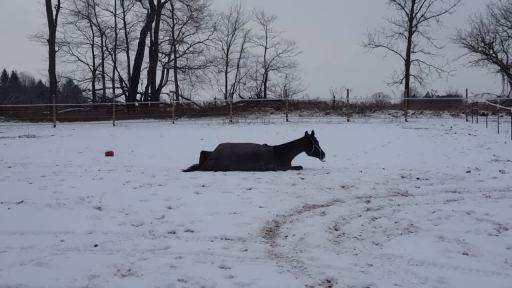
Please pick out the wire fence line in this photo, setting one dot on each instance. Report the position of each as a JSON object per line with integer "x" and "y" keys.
{"x": 356, "y": 99}
{"x": 334, "y": 110}
{"x": 497, "y": 112}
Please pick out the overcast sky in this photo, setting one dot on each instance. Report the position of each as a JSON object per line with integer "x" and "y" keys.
{"x": 329, "y": 33}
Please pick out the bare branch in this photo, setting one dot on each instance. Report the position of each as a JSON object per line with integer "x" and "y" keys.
{"x": 488, "y": 40}
{"x": 277, "y": 54}
{"x": 409, "y": 38}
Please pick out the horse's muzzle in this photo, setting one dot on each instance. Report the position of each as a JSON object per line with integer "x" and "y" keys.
{"x": 322, "y": 156}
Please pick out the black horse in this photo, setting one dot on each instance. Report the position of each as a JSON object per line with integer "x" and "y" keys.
{"x": 258, "y": 157}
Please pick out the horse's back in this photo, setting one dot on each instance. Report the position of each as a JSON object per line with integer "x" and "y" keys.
{"x": 235, "y": 148}
{"x": 241, "y": 156}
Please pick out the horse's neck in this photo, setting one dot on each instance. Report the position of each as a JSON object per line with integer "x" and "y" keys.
{"x": 288, "y": 151}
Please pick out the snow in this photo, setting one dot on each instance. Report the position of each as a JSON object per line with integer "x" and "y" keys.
{"x": 419, "y": 204}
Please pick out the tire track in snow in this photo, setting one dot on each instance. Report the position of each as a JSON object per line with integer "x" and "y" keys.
{"x": 151, "y": 235}
{"x": 286, "y": 255}
{"x": 166, "y": 252}
{"x": 361, "y": 245}
{"x": 36, "y": 233}
{"x": 414, "y": 262}
{"x": 235, "y": 249}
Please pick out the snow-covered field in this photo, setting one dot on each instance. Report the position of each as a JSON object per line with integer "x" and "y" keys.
{"x": 420, "y": 204}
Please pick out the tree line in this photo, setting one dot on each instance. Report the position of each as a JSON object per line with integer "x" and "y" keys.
{"x": 24, "y": 89}
{"x": 156, "y": 50}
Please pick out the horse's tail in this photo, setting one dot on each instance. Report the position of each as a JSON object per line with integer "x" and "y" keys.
{"x": 192, "y": 168}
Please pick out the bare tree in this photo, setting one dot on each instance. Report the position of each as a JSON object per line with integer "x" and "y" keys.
{"x": 338, "y": 92}
{"x": 242, "y": 62}
{"x": 381, "y": 98}
{"x": 410, "y": 38}
{"x": 52, "y": 20}
{"x": 185, "y": 43}
{"x": 112, "y": 44}
{"x": 79, "y": 43}
{"x": 99, "y": 24}
{"x": 126, "y": 7}
{"x": 188, "y": 26}
{"x": 119, "y": 36}
{"x": 488, "y": 39}
{"x": 154, "y": 53}
{"x": 139, "y": 54}
{"x": 289, "y": 81}
{"x": 92, "y": 39}
{"x": 231, "y": 41}
{"x": 113, "y": 51}
{"x": 277, "y": 55}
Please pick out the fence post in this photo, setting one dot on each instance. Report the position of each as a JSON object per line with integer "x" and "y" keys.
{"x": 467, "y": 120}
{"x": 486, "y": 114}
{"x": 114, "y": 110}
{"x": 498, "y": 120}
{"x": 173, "y": 103}
{"x": 406, "y": 103}
{"x": 54, "y": 112}
{"x": 472, "y": 111}
{"x": 477, "y": 112}
{"x": 231, "y": 108}
{"x": 286, "y": 97}
{"x": 348, "y": 105}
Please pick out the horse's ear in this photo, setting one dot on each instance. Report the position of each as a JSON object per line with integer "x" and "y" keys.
{"x": 312, "y": 132}
{"x": 306, "y": 134}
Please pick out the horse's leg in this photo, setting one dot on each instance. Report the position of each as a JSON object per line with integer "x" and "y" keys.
{"x": 288, "y": 168}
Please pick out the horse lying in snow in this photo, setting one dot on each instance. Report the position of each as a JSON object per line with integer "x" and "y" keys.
{"x": 258, "y": 157}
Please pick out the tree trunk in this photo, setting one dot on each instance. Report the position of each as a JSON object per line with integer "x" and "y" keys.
{"x": 102, "y": 52}
{"x": 103, "y": 72}
{"x": 127, "y": 43}
{"x": 265, "y": 85}
{"x": 139, "y": 55}
{"x": 52, "y": 52}
{"x": 154, "y": 53}
{"x": 175, "y": 53}
{"x": 236, "y": 81}
{"x": 145, "y": 95}
{"x": 114, "y": 61}
{"x": 410, "y": 33}
{"x": 226, "y": 71}
{"x": 94, "y": 71}
{"x": 265, "y": 67}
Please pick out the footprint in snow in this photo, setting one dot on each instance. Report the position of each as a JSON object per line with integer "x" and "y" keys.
{"x": 224, "y": 266}
{"x": 137, "y": 223}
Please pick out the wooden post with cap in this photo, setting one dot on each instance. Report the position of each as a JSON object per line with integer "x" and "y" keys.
{"x": 348, "y": 105}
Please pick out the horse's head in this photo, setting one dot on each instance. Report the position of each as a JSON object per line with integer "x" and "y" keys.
{"x": 313, "y": 146}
